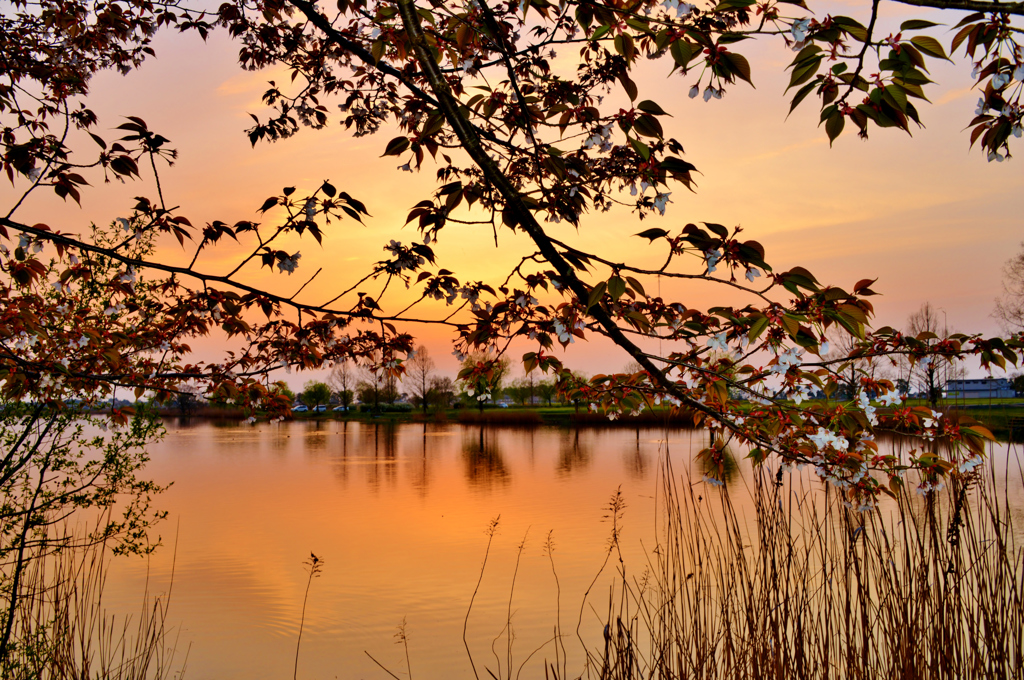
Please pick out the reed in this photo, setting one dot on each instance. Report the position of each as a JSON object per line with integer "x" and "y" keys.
{"x": 805, "y": 587}
{"x": 61, "y": 630}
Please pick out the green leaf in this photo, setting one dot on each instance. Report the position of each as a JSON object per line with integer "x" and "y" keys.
{"x": 595, "y": 295}
{"x": 682, "y": 52}
{"x": 647, "y": 106}
{"x": 676, "y": 165}
{"x": 929, "y": 45}
{"x": 917, "y": 25}
{"x": 802, "y": 94}
{"x": 601, "y": 32}
{"x": 740, "y": 65}
{"x": 834, "y": 126}
{"x": 804, "y": 72}
{"x": 652, "y": 234}
{"x": 624, "y": 46}
{"x": 718, "y": 229}
{"x": 616, "y": 287}
{"x": 397, "y": 146}
{"x": 628, "y": 85}
{"x": 635, "y": 285}
{"x": 791, "y": 325}
{"x": 648, "y": 126}
{"x": 852, "y": 26}
{"x": 641, "y": 148}
{"x": 805, "y": 54}
{"x": 377, "y": 50}
{"x": 757, "y": 328}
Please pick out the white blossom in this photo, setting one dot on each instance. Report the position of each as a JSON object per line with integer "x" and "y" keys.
{"x": 682, "y": 8}
{"x": 563, "y": 333}
{"x": 970, "y": 464}
{"x": 791, "y": 357}
{"x": 713, "y": 256}
{"x": 601, "y": 138}
{"x": 800, "y": 394}
{"x": 289, "y": 264}
{"x": 718, "y": 342}
{"x": 865, "y": 405}
{"x": 825, "y": 438}
{"x": 799, "y": 29}
{"x": 890, "y": 398}
{"x": 924, "y": 488}
{"x": 661, "y": 200}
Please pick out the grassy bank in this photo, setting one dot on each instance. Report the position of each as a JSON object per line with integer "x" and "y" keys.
{"x": 804, "y": 587}
{"x": 1004, "y": 417}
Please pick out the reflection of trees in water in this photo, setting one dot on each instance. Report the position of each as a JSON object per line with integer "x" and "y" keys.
{"x": 421, "y": 470}
{"x": 636, "y": 461}
{"x": 384, "y": 440}
{"x": 485, "y": 464}
{"x": 316, "y": 437}
{"x": 572, "y": 455}
{"x": 341, "y": 455}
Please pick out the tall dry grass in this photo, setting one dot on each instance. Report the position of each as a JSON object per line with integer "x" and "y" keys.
{"x": 61, "y": 630}
{"x": 804, "y": 587}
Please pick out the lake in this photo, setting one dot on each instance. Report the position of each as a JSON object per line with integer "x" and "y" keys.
{"x": 399, "y": 515}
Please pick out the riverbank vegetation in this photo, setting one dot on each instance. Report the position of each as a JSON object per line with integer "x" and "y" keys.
{"x": 801, "y": 585}
{"x": 1005, "y": 420}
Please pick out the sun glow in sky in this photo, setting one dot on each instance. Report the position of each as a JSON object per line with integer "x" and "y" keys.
{"x": 930, "y": 219}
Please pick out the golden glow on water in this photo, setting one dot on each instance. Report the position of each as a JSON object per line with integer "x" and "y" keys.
{"x": 399, "y": 515}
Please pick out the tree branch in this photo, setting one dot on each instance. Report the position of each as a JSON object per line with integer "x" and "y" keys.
{"x": 205, "y": 278}
{"x": 969, "y": 5}
{"x": 470, "y": 139}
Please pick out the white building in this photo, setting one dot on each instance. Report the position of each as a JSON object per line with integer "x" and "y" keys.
{"x": 979, "y": 388}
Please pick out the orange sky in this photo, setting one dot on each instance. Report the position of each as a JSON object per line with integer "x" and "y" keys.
{"x": 930, "y": 219}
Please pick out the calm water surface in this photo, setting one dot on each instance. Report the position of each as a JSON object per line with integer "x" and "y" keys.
{"x": 399, "y": 515}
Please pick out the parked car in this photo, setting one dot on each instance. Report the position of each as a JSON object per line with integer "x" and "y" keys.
{"x": 319, "y": 409}
{"x": 301, "y": 408}
{"x": 340, "y": 409}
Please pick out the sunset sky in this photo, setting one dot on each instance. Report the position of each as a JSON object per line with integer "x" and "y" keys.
{"x": 930, "y": 219}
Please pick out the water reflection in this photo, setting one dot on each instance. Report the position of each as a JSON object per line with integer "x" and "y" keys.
{"x": 400, "y": 512}
{"x": 636, "y": 460}
{"x": 485, "y": 465}
{"x": 385, "y": 454}
{"x": 572, "y": 455}
{"x": 421, "y": 468}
